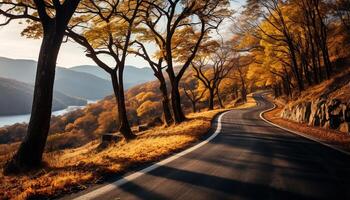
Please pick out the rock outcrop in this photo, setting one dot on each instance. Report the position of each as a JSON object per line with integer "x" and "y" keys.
{"x": 322, "y": 112}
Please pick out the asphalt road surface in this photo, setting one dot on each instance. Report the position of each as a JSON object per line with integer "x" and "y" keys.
{"x": 249, "y": 159}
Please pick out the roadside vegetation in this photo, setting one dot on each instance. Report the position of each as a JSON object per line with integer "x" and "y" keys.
{"x": 336, "y": 89}
{"x": 75, "y": 157}
{"x": 71, "y": 170}
{"x": 328, "y": 136}
{"x": 294, "y": 48}
{"x": 300, "y": 50}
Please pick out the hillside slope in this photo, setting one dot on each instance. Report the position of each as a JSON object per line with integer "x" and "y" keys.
{"x": 16, "y": 98}
{"x": 325, "y": 105}
{"x": 143, "y": 104}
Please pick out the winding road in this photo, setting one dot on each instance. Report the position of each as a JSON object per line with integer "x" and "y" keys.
{"x": 248, "y": 159}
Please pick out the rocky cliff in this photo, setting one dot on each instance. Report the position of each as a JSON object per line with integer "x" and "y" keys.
{"x": 326, "y": 105}
{"x": 327, "y": 113}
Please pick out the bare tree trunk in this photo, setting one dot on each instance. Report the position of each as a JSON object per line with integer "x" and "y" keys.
{"x": 318, "y": 59}
{"x": 323, "y": 41}
{"x": 29, "y": 154}
{"x": 220, "y": 100}
{"x": 244, "y": 87}
{"x": 176, "y": 102}
{"x": 124, "y": 122}
{"x": 295, "y": 67}
{"x": 313, "y": 57}
{"x": 115, "y": 85}
{"x": 315, "y": 66}
{"x": 211, "y": 98}
{"x": 194, "y": 109}
{"x": 306, "y": 70}
{"x": 326, "y": 61}
{"x": 168, "y": 119}
{"x": 244, "y": 91}
{"x": 287, "y": 88}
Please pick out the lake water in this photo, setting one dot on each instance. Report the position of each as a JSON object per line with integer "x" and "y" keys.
{"x": 13, "y": 119}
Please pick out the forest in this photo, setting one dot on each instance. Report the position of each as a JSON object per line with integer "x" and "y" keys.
{"x": 283, "y": 46}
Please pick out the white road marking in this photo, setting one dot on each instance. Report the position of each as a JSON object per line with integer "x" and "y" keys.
{"x": 107, "y": 188}
{"x": 299, "y": 133}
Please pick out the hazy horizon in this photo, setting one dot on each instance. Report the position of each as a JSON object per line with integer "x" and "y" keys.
{"x": 89, "y": 64}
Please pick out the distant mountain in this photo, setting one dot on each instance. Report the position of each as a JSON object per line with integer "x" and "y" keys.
{"x": 90, "y": 69}
{"x": 16, "y": 98}
{"x": 70, "y": 82}
{"x": 82, "y": 85}
{"x": 132, "y": 75}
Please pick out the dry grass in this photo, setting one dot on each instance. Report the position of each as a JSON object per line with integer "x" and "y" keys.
{"x": 75, "y": 169}
{"x": 336, "y": 87}
{"x": 249, "y": 104}
{"x": 6, "y": 150}
{"x": 328, "y": 136}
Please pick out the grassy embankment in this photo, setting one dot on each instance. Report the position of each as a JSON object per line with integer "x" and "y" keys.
{"x": 332, "y": 137}
{"x": 337, "y": 88}
{"x": 75, "y": 169}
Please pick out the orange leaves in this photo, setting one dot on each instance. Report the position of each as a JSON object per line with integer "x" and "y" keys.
{"x": 107, "y": 122}
{"x": 87, "y": 123}
{"x": 146, "y": 96}
{"x": 184, "y": 41}
{"x": 33, "y": 30}
{"x": 149, "y": 108}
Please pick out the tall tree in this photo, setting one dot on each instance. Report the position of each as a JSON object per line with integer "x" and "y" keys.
{"x": 342, "y": 11}
{"x": 53, "y": 17}
{"x": 240, "y": 67}
{"x": 193, "y": 93}
{"x": 158, "y": 69}
{"x": 316, "y": 16}
{"x": 277, "y": 20}
{"x": 210, "y": 69}
{"x": 106, "y": 29}
{"x": 165, "y": 18}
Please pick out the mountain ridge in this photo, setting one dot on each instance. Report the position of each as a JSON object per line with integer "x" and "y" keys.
{"x": 69, "y": 82}
{"x": 84, "y": 81}
{"x": 132, "y": 75}
{"x": 16, "y": 98}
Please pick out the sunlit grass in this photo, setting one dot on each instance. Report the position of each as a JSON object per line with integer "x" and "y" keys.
{"x": 75, "y": 169}
{"x": 249, "y": 104}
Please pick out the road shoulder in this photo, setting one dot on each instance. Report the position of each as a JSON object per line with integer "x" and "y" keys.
{"x": 332, "y": 139}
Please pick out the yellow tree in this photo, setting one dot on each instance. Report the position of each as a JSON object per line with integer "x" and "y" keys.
{"x": 212, "y": 67}
{"x": 148, "y": 109}
{"x": 52, "y": 17}
{"x": 106, "y": 31}
{"x": 271, "y": 22}
{"x": 156, "y": 62}
{"x": 193, "y": 91}
{"x": 165, "y": 17}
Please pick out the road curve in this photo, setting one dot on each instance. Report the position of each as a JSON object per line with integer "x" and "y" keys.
{"x": 249, "y": 159}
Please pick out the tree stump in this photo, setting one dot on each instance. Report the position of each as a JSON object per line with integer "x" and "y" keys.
{"x": 141, "y": 128}
{"x": 110, "y": 137}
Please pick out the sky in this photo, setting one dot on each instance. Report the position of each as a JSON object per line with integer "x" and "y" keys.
{"x": 13, "y": 45}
